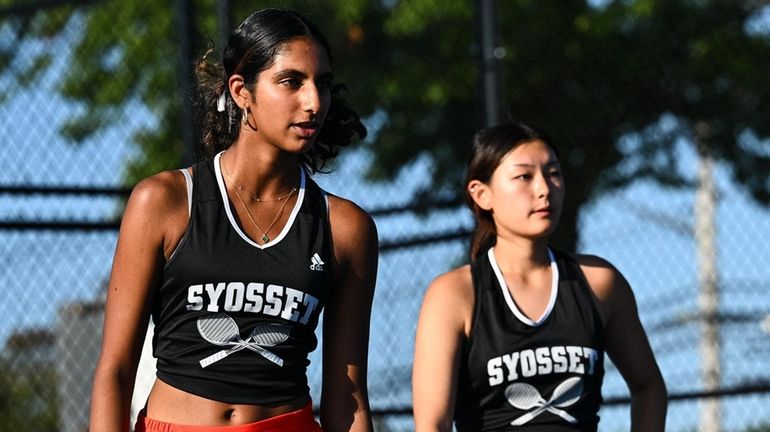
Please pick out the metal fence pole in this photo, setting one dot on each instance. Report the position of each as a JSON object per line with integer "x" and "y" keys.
{"x": 185, "y": 21}
{"x": 224, "y": 22}
{"x": 489, "y": 54}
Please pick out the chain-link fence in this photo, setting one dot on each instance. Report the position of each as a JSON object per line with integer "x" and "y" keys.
{"x": 60, "y": 201}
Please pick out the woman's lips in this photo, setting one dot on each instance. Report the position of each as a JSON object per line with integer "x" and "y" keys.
{"x": 306, "y": 129}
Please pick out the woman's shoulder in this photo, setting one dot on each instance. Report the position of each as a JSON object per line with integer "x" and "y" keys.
{"x": 606, "y": 282}
{"x": 352, "y": 228}
{"x": 599, "y": 272}
{"x": 345, "y": 206}
{"x": 456, "y": 279}
{"x": 450, "y": 298}
{"x": 348, "y": 216}
{"x": 157, "y": 210}
{"x": 165, "y": 189}
{"x": 589, "y": 260}
{"x": 452, "y": 287}
{"x": 160, "y": 202}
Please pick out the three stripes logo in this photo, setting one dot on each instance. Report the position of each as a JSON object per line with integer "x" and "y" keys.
{"x": 316, "y": 263}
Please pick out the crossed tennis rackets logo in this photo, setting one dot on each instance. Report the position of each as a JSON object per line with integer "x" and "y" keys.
{"x": 221, "y": 330}
{"x": 526, "y": 397}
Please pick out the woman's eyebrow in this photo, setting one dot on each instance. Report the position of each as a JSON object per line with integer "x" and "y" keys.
{"x": 529, "y": 165}
{"x": 290, "y": 73}
{"x": 295, "y": 73}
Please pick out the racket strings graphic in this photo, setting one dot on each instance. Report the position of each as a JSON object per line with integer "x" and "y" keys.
{"x": 221, "y": 330}
{"x": 526, "y": 397}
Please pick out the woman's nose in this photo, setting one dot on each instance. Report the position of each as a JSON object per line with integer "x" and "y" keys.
{"x": 542, "y": 185}
{"x": 311, "y": 98}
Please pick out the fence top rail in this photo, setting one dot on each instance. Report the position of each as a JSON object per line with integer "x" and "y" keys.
{"x": 63, "y": 190}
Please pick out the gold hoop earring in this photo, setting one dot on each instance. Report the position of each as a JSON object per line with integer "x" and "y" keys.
{"x": 245, "y": 117}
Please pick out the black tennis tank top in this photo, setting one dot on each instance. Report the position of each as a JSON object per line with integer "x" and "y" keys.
{"x": 234, "y": 320}
{"x": 518, "y": 373}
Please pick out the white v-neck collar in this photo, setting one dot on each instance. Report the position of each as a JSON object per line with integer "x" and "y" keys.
{"x": 234, "y": 224}
{"x": 507, "y": 294}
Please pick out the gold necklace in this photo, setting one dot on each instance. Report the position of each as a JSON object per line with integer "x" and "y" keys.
{"x": 265, "y": 238}
{"x": 254, "y": 197}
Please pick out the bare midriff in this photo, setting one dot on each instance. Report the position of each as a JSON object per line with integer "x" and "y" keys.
{"x": 171, "y": 405}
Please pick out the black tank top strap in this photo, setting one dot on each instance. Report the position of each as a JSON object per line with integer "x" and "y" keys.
{"x": 205, "y": 181}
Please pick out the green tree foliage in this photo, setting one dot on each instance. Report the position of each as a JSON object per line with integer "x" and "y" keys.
{"x": 126, "y": 54}
{"x": 647, "y": 72}
{"x": 616, "y": 83}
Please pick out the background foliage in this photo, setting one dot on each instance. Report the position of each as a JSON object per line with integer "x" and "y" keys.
{"x": 589, "y": 74}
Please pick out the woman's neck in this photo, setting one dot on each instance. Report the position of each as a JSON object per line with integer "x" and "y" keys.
{"x": 521, "y": 256}
{"x": 261, "y": 173}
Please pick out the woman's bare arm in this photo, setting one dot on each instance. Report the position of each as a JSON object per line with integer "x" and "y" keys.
{"x": 627, "y": 345}
{"x": 156, "y": 205}
{"x": 344, "y": 397}
{"x": 444, "y": 321}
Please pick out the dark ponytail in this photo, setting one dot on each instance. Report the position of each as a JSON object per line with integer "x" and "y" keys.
{"x": 489, "y": 147}
{"x": 251, "y": 48}
{"x": 218, "y": 129}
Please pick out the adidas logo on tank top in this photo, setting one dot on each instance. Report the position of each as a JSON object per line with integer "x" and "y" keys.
{"x": 316, "y": 263}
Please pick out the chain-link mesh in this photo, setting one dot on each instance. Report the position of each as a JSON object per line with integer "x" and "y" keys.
{"x": 59, "y": 200}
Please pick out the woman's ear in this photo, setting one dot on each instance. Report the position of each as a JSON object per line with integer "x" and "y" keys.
{"x": 239, "y": 91}
{"x": 481, "y": 194}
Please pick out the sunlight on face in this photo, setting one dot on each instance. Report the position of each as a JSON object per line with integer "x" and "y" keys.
{"x": 527, "y": 191}
{"x": 292, "y": 96}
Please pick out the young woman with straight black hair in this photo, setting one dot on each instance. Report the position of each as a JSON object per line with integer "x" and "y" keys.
{"x": 516, "y": 339}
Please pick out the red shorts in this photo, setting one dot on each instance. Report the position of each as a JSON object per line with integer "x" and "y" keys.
{"x": 301, "y": 420}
